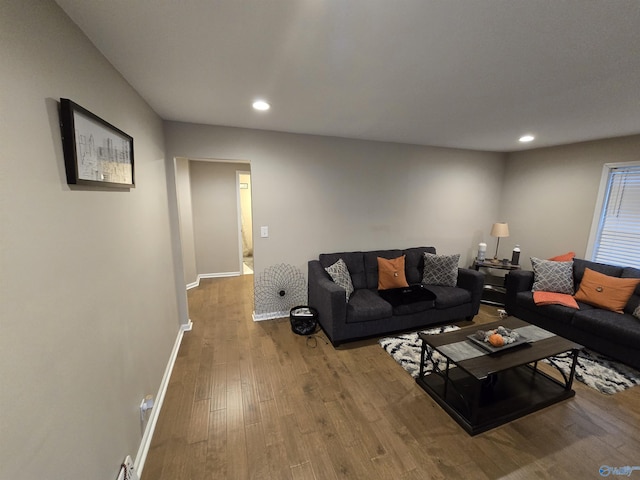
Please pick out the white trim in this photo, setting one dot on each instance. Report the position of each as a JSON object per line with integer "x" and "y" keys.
{"x": 145, "y": 443}
{"x": 218, "y": 275}
{"x": 211, "y": 275}
{"x": 219, "y": 160}
{"x": 239, "y": 219}
{"x": 597, "y": 212}
{"x": 258, "y": 317}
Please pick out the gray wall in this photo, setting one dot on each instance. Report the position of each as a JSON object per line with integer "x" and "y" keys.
{"x": 185, "y": 215}
{"x": 324, "y": 194}
{"x": 549, "y": 195}
{"x": 89, "y": 293}
{"x": 215, "y": 216}
{"x": 89, "y": 314}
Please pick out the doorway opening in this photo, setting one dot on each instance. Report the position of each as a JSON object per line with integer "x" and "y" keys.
{"x": 245, "y": 222}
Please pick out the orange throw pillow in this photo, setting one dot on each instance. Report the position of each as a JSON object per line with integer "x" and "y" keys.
{"x": 391, "y": 273}
{"x": 553, "y": 298}
{"x": 610, "y": 293}
{"x": 566, "y": 257}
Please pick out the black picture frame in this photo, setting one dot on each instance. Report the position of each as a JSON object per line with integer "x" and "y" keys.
{"x": 96, "y": 154}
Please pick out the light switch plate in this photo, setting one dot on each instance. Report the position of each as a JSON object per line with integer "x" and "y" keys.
{"x": 264, "y": 232}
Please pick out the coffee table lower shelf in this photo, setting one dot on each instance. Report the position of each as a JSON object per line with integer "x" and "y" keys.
{"x": 479, "y": 406}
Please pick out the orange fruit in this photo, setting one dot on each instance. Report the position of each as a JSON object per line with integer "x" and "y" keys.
{"x": 496, "y": 340}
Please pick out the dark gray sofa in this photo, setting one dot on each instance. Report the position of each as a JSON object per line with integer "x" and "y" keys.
{"x": 613, "y": 334}
{"x": 367, "y": 314}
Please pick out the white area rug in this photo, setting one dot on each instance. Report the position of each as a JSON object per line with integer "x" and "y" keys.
{"x": 594, "y": 370}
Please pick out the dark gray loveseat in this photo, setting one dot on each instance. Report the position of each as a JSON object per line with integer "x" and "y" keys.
{"x": 613, "y": 334}
{"x": 367, "y": 314}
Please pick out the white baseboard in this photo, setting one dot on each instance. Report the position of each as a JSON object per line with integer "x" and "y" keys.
{"x": 211, "y": 275}
{"x": 258, "y": 317}
{"x": 218, "y": 275}
{"x": 145, "y": 443}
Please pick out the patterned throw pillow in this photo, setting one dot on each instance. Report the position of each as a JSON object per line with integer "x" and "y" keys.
{"x": 551, "y": 276}
{"x": 636, "y": 312}
{"x": 440, "y": 269}
{"x": 339, "y": 273}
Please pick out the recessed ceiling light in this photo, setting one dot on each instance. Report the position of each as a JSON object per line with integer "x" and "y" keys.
{"x": 526, "y": 138}
{"x": 261, "y": 105}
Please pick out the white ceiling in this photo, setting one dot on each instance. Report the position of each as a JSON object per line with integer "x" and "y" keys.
{"x": 471, "y": 74}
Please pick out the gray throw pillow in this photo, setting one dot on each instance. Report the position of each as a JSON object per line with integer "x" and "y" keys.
{"x": 636, "y": 312}
{"x": 339, "y": 273}
{"x": 550, "y": 276}
{"x": 440, "y": 269}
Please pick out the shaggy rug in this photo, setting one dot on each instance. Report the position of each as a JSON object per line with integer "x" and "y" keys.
{"x": 594, "y": 370}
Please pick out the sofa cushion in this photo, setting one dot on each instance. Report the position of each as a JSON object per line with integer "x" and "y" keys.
{"x": 391, "y": 273}
{"x": 366, "y": 305}
{"x": 371, "y": 265}
{"x": 354, "y": 262}
{"x": 447, "y": 297}
{"x": 634, "y": 301}
{"x": 552, "y": 276}
{"x": 410, "y": 294}
{"x": 414, "y": 263}
{"x": 618, "y": 328}
{"x": 415, "y": 307}
{"x": 340, "y": 275}
{"x": 579, "y": 266}
{"x": 440, "y": 269}
{"x": 610, "y": 293}
{"x": 557, "y": 313}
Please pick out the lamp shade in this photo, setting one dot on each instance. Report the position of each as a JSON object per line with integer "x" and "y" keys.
{"x": 500, "y": 230}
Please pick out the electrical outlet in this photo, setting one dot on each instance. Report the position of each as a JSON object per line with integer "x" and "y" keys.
{"x": 127, "y": 470}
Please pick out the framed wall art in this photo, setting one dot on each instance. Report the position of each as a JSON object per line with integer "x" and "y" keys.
{"x": 95, "y": 152}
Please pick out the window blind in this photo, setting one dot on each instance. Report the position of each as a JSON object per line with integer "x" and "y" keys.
{"x": 618, "y": 237}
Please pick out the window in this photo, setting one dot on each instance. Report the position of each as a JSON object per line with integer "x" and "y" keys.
{"x": 615, "y": 234}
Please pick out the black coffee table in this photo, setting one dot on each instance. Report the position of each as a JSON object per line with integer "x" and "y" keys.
{"x": 482, "y": 390}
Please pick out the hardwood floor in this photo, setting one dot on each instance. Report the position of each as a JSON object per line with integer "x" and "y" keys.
{"x": 251, "y": 400}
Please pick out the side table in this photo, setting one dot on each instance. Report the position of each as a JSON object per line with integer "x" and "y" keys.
{"x": 494, "y": 291}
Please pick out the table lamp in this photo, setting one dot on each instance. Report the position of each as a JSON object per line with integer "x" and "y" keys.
{"x": 499, "y": 230}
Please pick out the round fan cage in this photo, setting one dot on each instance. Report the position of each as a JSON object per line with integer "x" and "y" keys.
{"x": 278, "y": 289}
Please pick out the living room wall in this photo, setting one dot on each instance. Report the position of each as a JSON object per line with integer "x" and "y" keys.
{"x": 185, "y": 215}
{"x": 215, "y": 216}
{"x": 89, "y": 313}
{"x": 549, "y": 194}
{"x": 324, "y": 194}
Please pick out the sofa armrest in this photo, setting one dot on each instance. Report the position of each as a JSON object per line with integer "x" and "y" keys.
{"x": 328, "y": 299}
{"x": 516, "y": 281}
{"x": 473, "y": 281}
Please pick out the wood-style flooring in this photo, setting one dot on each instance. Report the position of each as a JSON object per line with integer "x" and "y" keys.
{"x": 251, "y": 400}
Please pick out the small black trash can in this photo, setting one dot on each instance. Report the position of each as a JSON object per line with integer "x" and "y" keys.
{"x": 304, "y": 320}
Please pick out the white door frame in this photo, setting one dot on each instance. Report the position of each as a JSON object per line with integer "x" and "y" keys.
{"x": 239, "y": 209}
